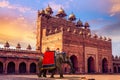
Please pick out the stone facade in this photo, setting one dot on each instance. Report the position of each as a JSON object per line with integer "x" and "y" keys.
{"x": 14, "y": 61}
{"x": 116, "y": 64}
{"x": 89, "y": 53}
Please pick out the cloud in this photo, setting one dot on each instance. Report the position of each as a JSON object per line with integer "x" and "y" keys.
{"x": 6, "y": 4}
{"x": 115, "y": 9}
{"x": 15, "y": 27}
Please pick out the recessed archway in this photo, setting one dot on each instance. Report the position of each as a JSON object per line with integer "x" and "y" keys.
{"x": 22, "y": 67}
{"x": 11, "y": 67}
{"x": 32, "y": 68}
{"x": 1, "y": 67}
{"x": 115, "y": 70}
{"x": 74, "y": 62}
{"x": 104, "y": 65}
{"x": 91, "y": 65}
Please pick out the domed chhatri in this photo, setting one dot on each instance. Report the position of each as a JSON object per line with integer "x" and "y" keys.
{"x": 29, "y": 47}
{"x": 86, "y": 25}
{"x": 72, "y": 17}
{"x": 61, "y": 13}
{"x": 42, "y": 12}
{"x": 48, "y": 10}
{"x": 79, "y": 23}
{"x": 18, "y": 46}
{"x": 6, "y": 45}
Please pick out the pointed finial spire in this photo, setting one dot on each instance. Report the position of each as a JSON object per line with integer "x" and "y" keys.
{"x": 7, "y": 45}
{"x": 29, "y": 47}
{"x": 18, "y": 46}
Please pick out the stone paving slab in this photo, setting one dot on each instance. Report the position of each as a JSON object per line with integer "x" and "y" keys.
{"x": 66, "y": 77}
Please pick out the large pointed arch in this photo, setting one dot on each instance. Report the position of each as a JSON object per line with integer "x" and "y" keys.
{"x": 91, "y": 65}
{"x": 104, "y": 65}
{"x": 32, "y": 68}
{"x": 74, "y": 62}
{"x": 22, "y": 67}
{"x": 1, "y": 67}
{"x": 11, "y": 68}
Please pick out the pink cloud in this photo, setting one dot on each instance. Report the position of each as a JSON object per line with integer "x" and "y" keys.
{"x": 115, "y": 8}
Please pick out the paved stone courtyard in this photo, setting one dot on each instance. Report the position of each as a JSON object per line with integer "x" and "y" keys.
{"x": 66, "y": 77}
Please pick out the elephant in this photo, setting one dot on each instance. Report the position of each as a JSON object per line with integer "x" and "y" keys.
{"x": 59, "y": 60}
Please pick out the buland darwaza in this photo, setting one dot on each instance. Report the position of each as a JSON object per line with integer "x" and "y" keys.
{"x": 89, "y": 53}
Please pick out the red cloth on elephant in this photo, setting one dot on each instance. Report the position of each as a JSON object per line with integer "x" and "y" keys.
{"x": 49, "y": 59}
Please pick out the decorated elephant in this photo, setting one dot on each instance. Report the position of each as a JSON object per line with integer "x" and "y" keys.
{"x": 59, "y": 60}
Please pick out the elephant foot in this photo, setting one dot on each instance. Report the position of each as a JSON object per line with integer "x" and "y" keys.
{"x": 39, "y": 75}
{"x": 61, "y": 77}
{"x": 52, "y": 77}
{"x": 44, "y": 76}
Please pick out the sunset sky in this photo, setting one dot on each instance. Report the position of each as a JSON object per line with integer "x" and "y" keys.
{"x": 18, "y": 19}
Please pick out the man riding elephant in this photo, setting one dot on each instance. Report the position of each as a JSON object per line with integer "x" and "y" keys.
{"x": 59, "y": 60}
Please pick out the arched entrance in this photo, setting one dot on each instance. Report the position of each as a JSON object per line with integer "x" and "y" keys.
{"x": 115, "y": 70}
{"x": 118, "y": 69}
{"x": 74, "y": 62}
{"x": 91, "y": 65}
{"x": 22, "y": 67}
{"x": 1, "y": 67}
{"x": 104, "y": 65}
{"x": 11, "y": 67}
{"x": 32, "y": 68}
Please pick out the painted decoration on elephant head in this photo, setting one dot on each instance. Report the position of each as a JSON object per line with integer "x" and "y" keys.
{"x": 49, "y": 60}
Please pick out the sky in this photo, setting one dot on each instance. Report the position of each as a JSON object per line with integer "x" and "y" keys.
{"x": 18, "y": 19}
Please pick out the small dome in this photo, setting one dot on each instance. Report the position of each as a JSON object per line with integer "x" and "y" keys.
{"x": 48, "y": 10}
{"x": 7, "y": 45}
{"x": 109, "y": 39}
{"x": 105, "y": 38}
{"x": 61, "y": 13}
{"x": 72, "y": 17}
{"x": 95, "y": 36}
{"x": 86, "y": 25}
{"x": 42, "y": 12}
{"x": 29, "y": 47}
{"x": 79, "y": 23}
{"x": 18, "y": 46}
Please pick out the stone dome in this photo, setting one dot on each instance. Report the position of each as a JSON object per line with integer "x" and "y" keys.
{"x": 18, "y": 46}
{"x": 86, "y": 25}
{"x": 29, "y": 47}
{"x": 79, "y": 23}
{"x": 72, "y": 17}
{"x": 41, "y": 12}
{"x": 48, "y": 10}
{"x": 7, "y": 45}
{"x": 61, "y": 13}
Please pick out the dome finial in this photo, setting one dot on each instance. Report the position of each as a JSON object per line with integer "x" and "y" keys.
{"x": 29, "y": 47}
{"x": 18, "y": 46}
{"x": 7, "y": 45}
{"x": 86, "y": 25}
{"x": 79, "y": 23}
{"x": 72, "y": 17}
{"x": 61, "y": 13}
{"x": 48, "y": 10}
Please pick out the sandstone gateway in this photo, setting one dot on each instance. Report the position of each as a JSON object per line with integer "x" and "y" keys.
{"x": 89, "y": 53}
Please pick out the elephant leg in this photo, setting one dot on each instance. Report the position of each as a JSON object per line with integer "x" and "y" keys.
{"x": 52, "y": 73}
{"x": 60, "y": 71}
{"x": 44, "y": 73}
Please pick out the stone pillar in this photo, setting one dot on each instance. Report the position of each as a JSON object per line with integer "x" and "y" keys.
{"x": 27, "y": 68}
{"x": 16, "y": 67}
{"x": 5, "y": 68}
